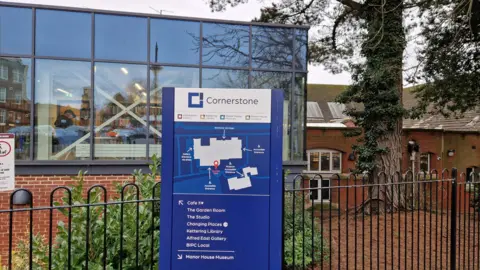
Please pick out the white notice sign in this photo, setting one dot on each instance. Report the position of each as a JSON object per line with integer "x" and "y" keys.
{"x": 223, "y": 105}
{"x": 7, "y": 162}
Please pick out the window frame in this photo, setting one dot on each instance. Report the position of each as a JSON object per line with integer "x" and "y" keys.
{"x": 429, "y": 162}
{"x": 29, "y": 80}
{"x": 3, "y": 95}
{"x": 3, "y": 72}
{"x": 320, "y": 151}
{"x": 17, "y": 76}
{"x": 318, "y": 193}
{"x": 19, "y": 100}
{"x": 3, "y": 116}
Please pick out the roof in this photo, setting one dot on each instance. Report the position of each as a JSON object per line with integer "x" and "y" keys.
{"x": 151, "y": 15}
{"x": 326, "y": 125}
{"x": 321, "y": 97}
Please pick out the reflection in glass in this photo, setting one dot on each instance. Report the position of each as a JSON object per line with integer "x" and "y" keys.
{"x": 336, "y": 160}
{"x": 325, "y": 161}
{"x": 298, "y": 117}
{"x": 15, "y": 101}
{"x": 314, "y": 161}
{"x": 161, "y": 76}
{"x": 225, "y": 45}
{"x": 15, "y": 30}
{"x": 272, "y": 47}
{"x": 62, "y": 33}
{"x": 300, "y": 60}
{"x": 224, "y": 78}
{"x": 120, "y": 111}
{"x": 120, "y": 37}
{"x": 62, "y": 103}
{"x": 174, "y": 41}
{"x": 278, "y": 80}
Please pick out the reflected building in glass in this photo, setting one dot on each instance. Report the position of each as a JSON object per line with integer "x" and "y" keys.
{"x": 84, "y": 86}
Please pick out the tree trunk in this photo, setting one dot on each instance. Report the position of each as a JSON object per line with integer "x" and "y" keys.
{"x": 383, "y": 86}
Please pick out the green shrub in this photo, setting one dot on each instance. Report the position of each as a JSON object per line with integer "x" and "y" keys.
{"x": 146, "y": 229}
{"x": 300, "y": 237}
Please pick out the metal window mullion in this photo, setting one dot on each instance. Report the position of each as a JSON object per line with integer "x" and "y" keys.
{"x": 200, "y": 79}
{"x": 144, "y": 15}
{"x": 292, "y": 95}
{"x": 92, "y": 90}
{"x": 148, "y": 91}
{"x": 250, "y": 41}
{"x": 305, "y": 84}
{"x": 32, "y": 87}
{"x": 290, "y": 120}
{"x": 17, "y": 55}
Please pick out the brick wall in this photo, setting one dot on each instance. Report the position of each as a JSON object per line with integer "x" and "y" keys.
{"x": 333, "y": 139}
{"x": 466, "y": 146}
{"x": 41, "y": 187}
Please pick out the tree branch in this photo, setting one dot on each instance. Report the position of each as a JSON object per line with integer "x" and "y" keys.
{"x": 351, "y": 4}
{"x": 340, "y": 19}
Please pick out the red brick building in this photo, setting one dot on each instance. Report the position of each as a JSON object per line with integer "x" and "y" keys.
{"x": 443, "y": 142}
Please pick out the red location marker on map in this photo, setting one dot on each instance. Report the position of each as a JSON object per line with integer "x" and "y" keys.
{"x": 215, "y": 164}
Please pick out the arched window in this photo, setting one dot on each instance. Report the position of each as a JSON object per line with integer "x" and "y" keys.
{"x": 324, "y": 160}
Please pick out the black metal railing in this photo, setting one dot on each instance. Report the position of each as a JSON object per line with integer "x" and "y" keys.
{"x": 404, "y": 221}
{"x": 426, "y": 221}
{"x": 96, "y": 230}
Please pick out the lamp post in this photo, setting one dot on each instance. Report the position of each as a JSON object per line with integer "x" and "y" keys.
{"x": 413, "y": 148}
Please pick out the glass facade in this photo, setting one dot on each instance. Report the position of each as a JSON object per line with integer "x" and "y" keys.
{"x": 85, "y": 86}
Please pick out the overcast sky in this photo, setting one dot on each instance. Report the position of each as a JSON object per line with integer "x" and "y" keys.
{"x": 190, "y": 8}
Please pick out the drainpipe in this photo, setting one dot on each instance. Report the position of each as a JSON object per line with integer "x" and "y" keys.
{"x": 442, "y": 154}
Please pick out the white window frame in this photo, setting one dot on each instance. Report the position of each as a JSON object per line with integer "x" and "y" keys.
{"x": 318, "y": 192}
{"x": 17, "y": 76}
{"x": 320, "y": 151}
{"x": 18, "y": 101}
{"x": 3, "y": 116}
{"x": 429, "y": 160}
{"x": 3, "y": 95}
{"x": 3, "y": 72}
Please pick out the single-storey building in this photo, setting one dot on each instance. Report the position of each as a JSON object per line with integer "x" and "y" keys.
{"x": 443, "y": 142}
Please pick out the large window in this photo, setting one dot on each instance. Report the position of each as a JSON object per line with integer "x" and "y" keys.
{"x": 61, "y": 33}
{"x": 298, "y": 117}
{"x": 272, "y": 47}
{"x": 224, "y": 78}
{"x": 15, "y": 30}
{"x": 323, "y": 160}
{"x": 62, "y": 90}
{"x": 161, "y": 76}
{"x": 121, "y": 111}
{"x": 225, "y": 45}
{"x": 121, "y": 37}
{"x": 300, "y": 56}
{"x": 173, "y": 41}
{"x": 129, "y": 58}
{"x": 278, "y": 80}
{"x": 15, "y": 95}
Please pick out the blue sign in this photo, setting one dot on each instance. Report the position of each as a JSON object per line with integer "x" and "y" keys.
{"x": 221, "y": 179}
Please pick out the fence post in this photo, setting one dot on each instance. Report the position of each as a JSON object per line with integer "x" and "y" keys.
{"x": 453, "y": 222}
{"x": 283, "y": 216}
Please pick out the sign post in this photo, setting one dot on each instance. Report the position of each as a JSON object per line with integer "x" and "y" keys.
{"x": 221, "y": 179}
{"x": 7, "y": 162}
